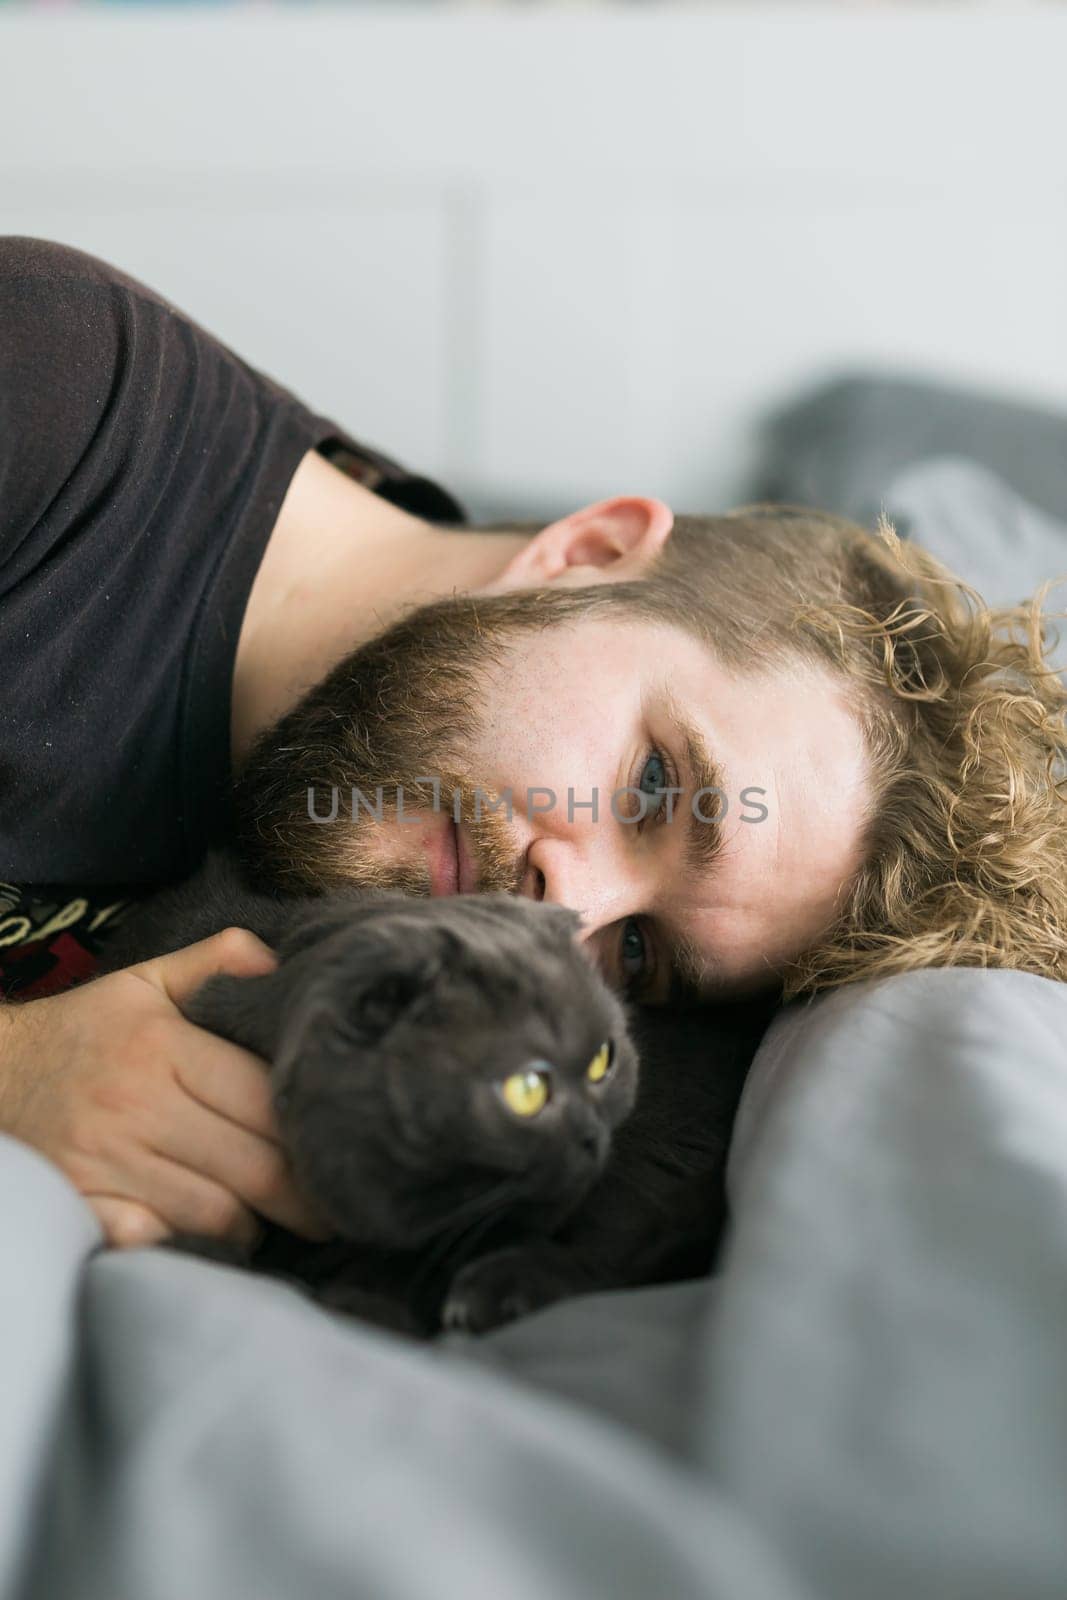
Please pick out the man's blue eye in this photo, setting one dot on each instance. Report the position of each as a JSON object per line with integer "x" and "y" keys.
{"x": 653, "y": 780}
{"x": 653, "y": 775}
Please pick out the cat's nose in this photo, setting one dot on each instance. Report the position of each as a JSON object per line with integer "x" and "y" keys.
{"x": 593, "y": 1142}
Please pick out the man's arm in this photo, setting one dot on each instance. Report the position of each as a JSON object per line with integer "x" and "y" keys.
{"x": 162, "y": 1127}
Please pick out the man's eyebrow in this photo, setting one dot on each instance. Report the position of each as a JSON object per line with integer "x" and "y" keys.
{"x": 704, "y": 831}
{"x": 691, "y": 967}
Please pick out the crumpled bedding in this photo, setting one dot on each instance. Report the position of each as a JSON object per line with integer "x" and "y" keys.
{"x": 869, "y": 1398}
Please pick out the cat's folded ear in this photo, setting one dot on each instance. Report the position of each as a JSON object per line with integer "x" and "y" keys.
{"x": 380, "y": 972}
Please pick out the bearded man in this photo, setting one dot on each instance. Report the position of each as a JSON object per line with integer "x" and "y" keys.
{"x": 762, "y": 750}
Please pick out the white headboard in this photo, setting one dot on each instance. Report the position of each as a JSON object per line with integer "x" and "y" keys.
{"x": 552, "y": 253}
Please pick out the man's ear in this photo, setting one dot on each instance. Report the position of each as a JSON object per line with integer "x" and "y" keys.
{"x": 607, "y": 542}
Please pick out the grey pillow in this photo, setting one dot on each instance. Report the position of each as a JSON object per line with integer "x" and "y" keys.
{"x": 984, "y": 532}
{"x": 841, "y": 446}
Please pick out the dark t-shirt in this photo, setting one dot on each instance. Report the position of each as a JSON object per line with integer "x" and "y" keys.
{"x": 142, "y": 468}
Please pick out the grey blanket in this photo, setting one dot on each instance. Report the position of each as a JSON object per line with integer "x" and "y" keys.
{"x": 870, "y": 1399}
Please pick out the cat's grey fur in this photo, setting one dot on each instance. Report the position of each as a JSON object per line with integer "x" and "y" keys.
{"x": 390, "y": 1025}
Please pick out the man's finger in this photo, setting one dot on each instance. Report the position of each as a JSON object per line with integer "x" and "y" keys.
{"x": 127, "y": 1224}
{"x": 254, "y": 1169}
{"x": 191, "y": 1201}
{"x": 233, "y": 950}
{"x": 228, "y": 1080}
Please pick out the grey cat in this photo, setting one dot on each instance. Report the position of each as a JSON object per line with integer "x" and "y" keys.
{"x": 447, "y": 1077}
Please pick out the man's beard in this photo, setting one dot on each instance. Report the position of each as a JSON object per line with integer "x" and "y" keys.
{"x": 399, "y": 711}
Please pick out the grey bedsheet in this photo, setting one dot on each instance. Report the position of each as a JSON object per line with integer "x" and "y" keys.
{"x": 870, "y": 1400}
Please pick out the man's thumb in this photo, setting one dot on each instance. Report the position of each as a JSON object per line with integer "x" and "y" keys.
{"x": 234, "y": 950}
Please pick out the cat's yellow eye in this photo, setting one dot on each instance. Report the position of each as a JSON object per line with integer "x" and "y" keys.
{"x": 526, "y": 1093}
{"x": 597, "y": 1070}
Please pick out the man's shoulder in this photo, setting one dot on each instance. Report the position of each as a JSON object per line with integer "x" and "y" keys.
{"x": 61, "y": 339}
{"x": 63, "y": 311}
{"x": 49, "y": 268}
{"x": 22, "y": 256}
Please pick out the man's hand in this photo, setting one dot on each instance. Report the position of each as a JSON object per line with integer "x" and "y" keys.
{"x": 163, "y": 1127}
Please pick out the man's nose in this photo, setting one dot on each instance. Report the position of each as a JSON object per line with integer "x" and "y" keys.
{"x": 590, "y": 875}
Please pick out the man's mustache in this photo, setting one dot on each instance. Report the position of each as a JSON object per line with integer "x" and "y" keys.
{"x": 496, "y": 856}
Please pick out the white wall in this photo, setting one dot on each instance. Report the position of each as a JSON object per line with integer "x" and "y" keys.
{"x": 552, "y": 256}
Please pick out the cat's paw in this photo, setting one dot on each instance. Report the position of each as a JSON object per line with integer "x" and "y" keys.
{"x": 503, "y": 1286}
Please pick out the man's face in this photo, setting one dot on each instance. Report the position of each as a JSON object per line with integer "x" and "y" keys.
{"x": 607, "y": 702}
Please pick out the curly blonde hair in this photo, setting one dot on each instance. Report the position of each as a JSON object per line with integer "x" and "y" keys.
{"x": 965, "y": 839}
